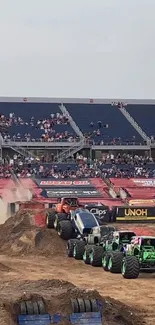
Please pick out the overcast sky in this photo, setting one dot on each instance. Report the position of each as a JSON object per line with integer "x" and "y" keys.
{"x": 77, "y": 48}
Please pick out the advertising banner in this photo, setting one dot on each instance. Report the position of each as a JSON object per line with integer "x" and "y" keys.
{"x": 101, "y": 213}
{"x": 135, "y": 214}
{"x": 144, "y": 182}
{"x": 63, "y": 183}
{"x": 143, "y": 202}
{"x": 55, "y": 193}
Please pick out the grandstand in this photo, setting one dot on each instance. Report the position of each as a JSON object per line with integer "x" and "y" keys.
{"x": 101, "y": 147}
{"x": 76, "y": 125}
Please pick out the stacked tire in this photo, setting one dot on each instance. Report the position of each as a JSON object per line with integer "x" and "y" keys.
{"x": 32, "y": 307}
{"x": 80, "y": 305}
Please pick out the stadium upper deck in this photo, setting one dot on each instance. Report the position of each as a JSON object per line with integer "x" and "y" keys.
{"x": 97, "y": 119}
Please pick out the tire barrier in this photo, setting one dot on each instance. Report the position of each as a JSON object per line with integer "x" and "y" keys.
{"x": 84, "y": 311}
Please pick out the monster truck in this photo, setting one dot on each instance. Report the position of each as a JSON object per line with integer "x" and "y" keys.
{"x": 77, "y": 248}
{"x": 115, "y": 242}
{"x": 61, "y": 211}
{"x": 139, "y": 257}
{"x": 76, "y": 225}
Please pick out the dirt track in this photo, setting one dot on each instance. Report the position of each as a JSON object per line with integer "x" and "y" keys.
{"x": 23, "y": 268}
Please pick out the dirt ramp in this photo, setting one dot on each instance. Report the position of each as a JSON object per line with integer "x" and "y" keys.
{"x": 19, "y": 236}
{"x": 47, "y": 242}
{"x": 57, "y": 296}
{"x": 16, "y": 234}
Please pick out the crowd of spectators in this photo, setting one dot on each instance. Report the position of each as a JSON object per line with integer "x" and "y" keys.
{"x": 46, "y": 126}
{"x": 107, "y": 166}
{"x": 97, "y": 134}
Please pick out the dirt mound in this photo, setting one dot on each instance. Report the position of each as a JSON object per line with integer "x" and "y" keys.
{"x": 48, "y": 243}
{"x": 19, "y": 236}
{"x": 57, "y": 297}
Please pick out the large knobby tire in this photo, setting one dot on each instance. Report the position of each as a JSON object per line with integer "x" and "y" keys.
{"x": 32, "y": 307}
{"x": 59, "y": 217}
{"x": 86, "y": 255}
{"x": 79, "y": 248}
{"x": 94, "y": 305}
{"x": 115, "y": 262}
{"x": 41, "y": 307}
{"x": 22, "y": 308}
{"x": 81, "y": 305}
{"x": 29, "y": 308}
{"x": 130, "y": 267}
{"x": 65, "y": 229}
{"x": 96, "y": 256}
{"x": 35, "y": 308}
{"x": 50, "y": 218}
{"x": 88, "y": 307}
{"x": 105, "y": 261}
{"x": 70, "y": 247}
{"x": 75, "y": 305}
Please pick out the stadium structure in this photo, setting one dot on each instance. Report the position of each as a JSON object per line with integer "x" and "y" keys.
{"x": 127, "y": 126}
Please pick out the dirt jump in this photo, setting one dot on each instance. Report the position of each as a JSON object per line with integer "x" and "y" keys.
{"x": 33, "y": 262}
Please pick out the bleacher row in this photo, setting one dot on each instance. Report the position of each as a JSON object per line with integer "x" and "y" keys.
{"x": 98, "y": 122}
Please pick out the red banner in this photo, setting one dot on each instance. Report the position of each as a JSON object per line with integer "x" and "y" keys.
{"x": 64, "y": 183}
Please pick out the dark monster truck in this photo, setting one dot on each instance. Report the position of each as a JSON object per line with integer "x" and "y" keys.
{"x": 78, "y": 248}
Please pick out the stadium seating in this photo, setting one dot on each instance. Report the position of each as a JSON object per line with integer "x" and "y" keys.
{"x": 115, "y": 127}
{"x": 144, "y": 115}
{"x": 118, "y": 126}
{"x": 39, "y": 111}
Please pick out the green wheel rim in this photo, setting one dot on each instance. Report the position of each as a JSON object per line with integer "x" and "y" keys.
{"x": 110, "y": 263}
{"x": 74, "y": 251}
{"x": 123, "y": 268}
{"x": 55, "y": 223}
{"x": 91, "y": 257}
{"x": 84, "y": 256}
{"x": 104, "y": 261}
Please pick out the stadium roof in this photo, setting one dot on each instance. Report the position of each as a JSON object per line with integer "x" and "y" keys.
{"x": 75, "y": 100}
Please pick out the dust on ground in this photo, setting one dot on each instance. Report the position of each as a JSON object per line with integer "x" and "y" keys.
{"x": 29, "y": 265}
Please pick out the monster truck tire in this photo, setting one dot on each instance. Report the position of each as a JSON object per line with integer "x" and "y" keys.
{"x": 70, "y": 247}
{"x": 79, "y": 248}
{"x": 130, "y": 267}
{"x": 84, "y": 305}
{"x": 59, "y": 217}
{"x": 87, "y": 251}
{"x": 94, "y": 305}
{"x": 50, "y": 218}
{"x": 105, "y": 261}
{"x": 75, "y": 305}
{"x": 115, "y": 262}
{"x": 35, "y": 308}
{"x": 41, "y": 307}
{"x": 65, "y": 230}
{"x": 88, "y": 307}
{"x": 29, "y": 308}
{"x": 23, "y": 309}
{"x": 81, "y": 305}
{"x": 96, "y": 256}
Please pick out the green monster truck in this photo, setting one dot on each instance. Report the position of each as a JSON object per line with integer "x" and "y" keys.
{"x": 112, "y": 245}
{"x": 139, "y": 257}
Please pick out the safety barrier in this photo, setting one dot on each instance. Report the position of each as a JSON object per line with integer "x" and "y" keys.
{"x": 88, "y": 311}
{"x": 47, "y": 319}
